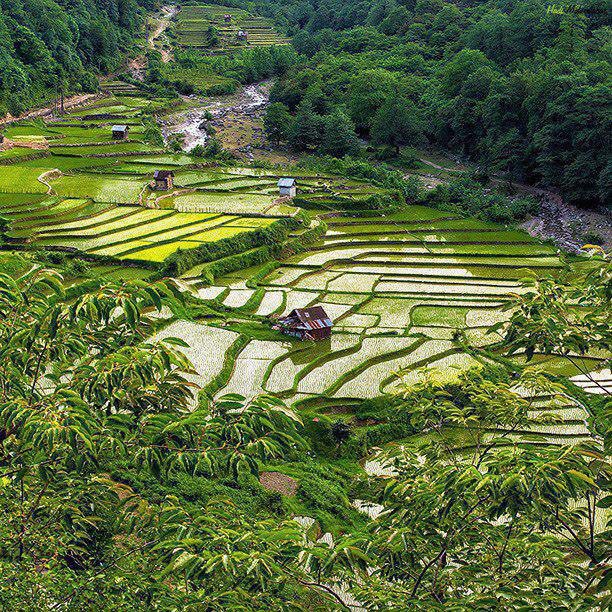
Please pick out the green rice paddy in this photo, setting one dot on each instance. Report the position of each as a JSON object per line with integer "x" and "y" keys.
{"x": 195, "y": 20}
{"x": 404, "y": 290}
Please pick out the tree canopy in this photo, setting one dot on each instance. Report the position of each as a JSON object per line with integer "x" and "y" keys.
{"x": 519, "y": 87}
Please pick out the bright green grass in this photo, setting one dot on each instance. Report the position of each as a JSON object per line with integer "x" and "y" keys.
{"x": 13, "y": 155}
{"x": 100, "y": 188}
{"x": 18, "y": 211}
{"x": 140, "y": 222}
{"x": 58, "y": 209}
{"x": 161, "y": 252}
{"x": 223, "y": 203}
{"x": 438, "y": 316}
{"x": 168, "y": 228}
{"x": 118, "y": 249}
{"x": 120, "y": 273}
{"x": 39, "y": 224}
{"x": 253, "y": 222}
{"x": 25, "y": 129}
{"x": 65, "y": 164}
{"x": 170, "y": 160}
{"x": 493, "y": 249}
{"x": 15, "y": 179}
{"x": 107, "y": 149}
{"x": 117, "y": 109}
{"x": 254, "y": 185}
{"x": 107, "y": 216}
{"x": 9, "y": 200}
{"x": 219, "y": 233}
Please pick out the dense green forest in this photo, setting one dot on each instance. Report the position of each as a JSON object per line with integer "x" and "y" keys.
{"x": 522, "y": 87}
{"x": 48, "y": 45}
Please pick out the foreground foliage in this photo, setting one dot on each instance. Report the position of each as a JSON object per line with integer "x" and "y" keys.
{"x": 99, "y": 427}
{"x": 80, "y": 390}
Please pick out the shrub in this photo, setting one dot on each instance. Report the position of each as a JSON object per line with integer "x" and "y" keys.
{"x": 409, "y": 189}
{"x": 467, "y": 197}
{"x": 272, "y": 236}
{"x": 221, "y": 89}
{"x": 318, "y": 430}
{"x": 152, "y": 134}
{"x": 590, "y": 237}
{"x": 340, "y": 431}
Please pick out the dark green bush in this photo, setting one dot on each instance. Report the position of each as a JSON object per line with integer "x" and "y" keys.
{"x": 318, "y": 430}
{"x": 467, "y": 197}
{"x": 271, "y": 236}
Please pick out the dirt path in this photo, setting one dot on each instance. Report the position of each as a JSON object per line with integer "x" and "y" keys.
{"x": 166, "y": 15}
{"x": 156, "y": 38}
{"x": 69, "y": 103}
{"x": 47, "y": 176}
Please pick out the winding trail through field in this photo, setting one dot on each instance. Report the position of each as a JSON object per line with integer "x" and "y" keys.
{"x": 46, "y": 176}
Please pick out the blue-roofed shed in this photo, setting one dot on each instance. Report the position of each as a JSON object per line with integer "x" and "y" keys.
{"x": 120, "y": 132}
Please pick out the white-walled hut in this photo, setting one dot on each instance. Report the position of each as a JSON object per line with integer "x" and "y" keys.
{"x": 287, "y": 187}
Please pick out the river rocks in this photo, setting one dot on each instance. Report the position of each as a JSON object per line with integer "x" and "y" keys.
{"x": 235, "y": 113}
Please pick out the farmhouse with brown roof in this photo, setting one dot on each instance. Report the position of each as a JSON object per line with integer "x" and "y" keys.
{"x": 306, "y": 323}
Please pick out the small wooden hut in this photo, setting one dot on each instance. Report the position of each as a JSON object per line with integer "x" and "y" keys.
{"x": 287, "y": 187}
{"x": 227, "y": 18}
{"x": 163, "y": 180}
{"x": 120, "y": 132}
{"x": 306, "y": 323}
{"x": 242, "y": 35}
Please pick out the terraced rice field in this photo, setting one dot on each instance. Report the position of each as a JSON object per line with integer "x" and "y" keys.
{"x": 86, "y": 191}
{"x": 195, "y": 20}
{"x": 401, "y": 290}
{"x": 125, "y": 232}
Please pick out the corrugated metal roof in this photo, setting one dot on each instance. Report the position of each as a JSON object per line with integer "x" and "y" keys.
{"x": 314, "y": 317}
{"x": 119, "y": 128}
{"x": 286, "y": 182}
{"x": 317, "y": 324}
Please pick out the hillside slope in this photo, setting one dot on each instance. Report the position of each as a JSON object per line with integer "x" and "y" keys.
{"x": 51, "y": 44}
{"x": 518, "y": 86}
